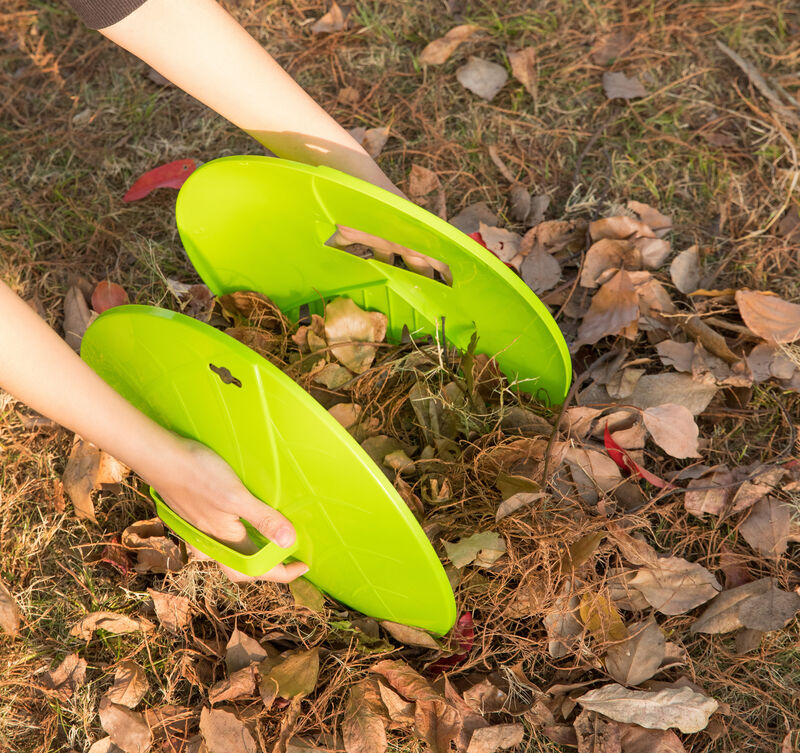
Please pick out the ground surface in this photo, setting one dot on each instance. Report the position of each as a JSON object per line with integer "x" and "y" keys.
{"x": 80, "y": 119}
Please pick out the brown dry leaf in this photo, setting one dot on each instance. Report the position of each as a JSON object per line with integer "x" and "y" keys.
{"x": 639, "y": 657}
{"x": 486, "y": 547}
{"x": 469, "y": 219}
{"x": 712, "y": 501}
{"x": 333, "y": 20}
{"x": 77, "y": 317}
{"x": 653, "y": 251}
{"x": 592, "y": 471}
{"x": 362, "y": 728}
{"x": 240, "y": 684}
{"x": 173, "y": 611}
{"x": 580, "y": 552}
{"x": 515, "y": 502}
{"x": 347, "y": 414}
{"x": 332, "y": 376}
{"x": 611, "y": 46}
{"x": 482, "y": 78}
{"x": 439, "y": 50}
{"x": 673, "y": 429}
{"x": 685, "y": 270}
{"x": 679, "y": 707}
{"x": 110, "y": 622}
{"x": 595, "y": 734}
{"x": 372, "y": 139}
{"x": 634, "y": 550}
{"x": 769, "y": 316}
{"x": 241, "y": 651}
{"x": 523, "y": 67}
{"x": 88, "y": 468}
{"x": 406, "y": 681}
{"x": 67, "y": 676}
{"x": 607, "y": 254}
{"x": 346, "y": 323}
{"x": 410, "y": 636}
{"x": 297, "y": 674}
{"x": 768, "y": 527}
{"x": 614, "y": 308}
{"x": 9, "y": 612}
{"x": 401, "y": 711}
{"x": 620, "y": 227}
{"x": 540, "y": 271}
{"x": 771, "y": 610}
{"x": 637, "y": 739}
{"x": 601, "y": 618}
{"x": 222, "y": 732}
{"x": 127, "y": 729}
{"x": 659, "y": 223}
{"x": 501, "y": 242}
{"x": 130, "y": 685}
{"x": 675, "y": 354}
{"x": 306, "y": 594}
{"x": 437, "y": 722}
{"x": 674, "y": 585}
{"x": 562, "y": 624}
{"x": 105, "y": 745}
{"x": 497, "y": 737}
{"x": 657, "y": 389}
{"x": 620, "y": 86}
{"x": 155, "y": 553}
{"x": 422, "y": 181}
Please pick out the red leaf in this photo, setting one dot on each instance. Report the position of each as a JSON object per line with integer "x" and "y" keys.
{"x": 464, "y": 635}
{"x": 476, "y": 236}
{"x": 623, "y": 459}
{"x": 171, "y": 175}
{"x": 107, "y": 295}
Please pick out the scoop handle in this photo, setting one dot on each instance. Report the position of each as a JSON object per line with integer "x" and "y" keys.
{"x": 269, "y": 554}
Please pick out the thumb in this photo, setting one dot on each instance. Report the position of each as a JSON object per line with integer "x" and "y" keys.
{"x": 266, "y": 520}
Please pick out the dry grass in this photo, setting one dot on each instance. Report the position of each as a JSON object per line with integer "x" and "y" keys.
{"x": 79, "y": 120}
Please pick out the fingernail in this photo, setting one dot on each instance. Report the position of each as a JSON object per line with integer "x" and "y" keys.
{"x": 305, "y": 569}
{"x": 285, "y": 537}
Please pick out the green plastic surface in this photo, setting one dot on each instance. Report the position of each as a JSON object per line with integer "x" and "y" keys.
{"x": 360, "y": 540}
{"x": 261, "y": 223}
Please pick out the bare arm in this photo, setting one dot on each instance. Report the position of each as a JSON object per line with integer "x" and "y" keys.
{"x": 40, "y": 369}
{"x": 201, "y": 48}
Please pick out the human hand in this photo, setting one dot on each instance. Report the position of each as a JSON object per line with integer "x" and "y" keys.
{"x": 204, "y": 490}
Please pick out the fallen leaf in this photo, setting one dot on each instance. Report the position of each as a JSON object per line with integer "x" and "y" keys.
{"x": 614, "y": 308}
{"x": 87, "y": 469}
{"x": 362, "y": 728}
{"x": 637, "y": 739}
{"x": 561, "y": 623}
{"x": 406, "y": 681}
{"x": 241, "y": 651}
{"x": 710, "y": 494}
{"x": 674, "y": 585}
{"x": 105, "y": 745}
{"x": 439, "y": 50}
{"x": 400, "y": 710}
{"x": 9, "y": 612}
{"x": 482, "y": 77}
{"x": 516, "y": 502}
{"x": 601, "y": 618}
{"x": 769, "y": 316}
{"x": 437, "y": 722}
{"x": 306, "y": 594}
{"x": 332, "y": 21}
{"x": 673, "y": 429}
{"x": 771, "y": 610}
{"x": 592, "y": 471}
{"x": 173, "y": 611}
{"x": 625, "y": 461}
{"x": 410, "y": 636}
{"x": 685, "y": 270}
{"x": 372, "y": 139}
{"x": 332, "y": 376}
{"x": 110, "y": 622}
{"x": 611, "y": 46}
{"x": 620, "y": 86}
{"x": 523, "y": 68}
{"x": 607, "y": 254}
{"x": 671, "y": 707}
{"x": 171, "y": 175}
{"x": 422, "y": 181}
{"x": 620, "y": 227}
{"x": 659, "y": 223}
{"x": 657, "y": 389}
{"x": 466, "y": 550}
{"x": 469, "y": 219}
{"x": 497, "y": 737}
{"x": 130, "y": 685}
{"x": 155, "y": 553}
{"x": 67, "y": 677}
{"x": 241, "y": 684}
{"x": 346, "y": 323}
{"x": 127, "y": 729}
{"x": 639, "y": 657}
{"x": 540, "y": 271}
{"x": 768, "y": 527}
{"x": 222, "y": 732}
{"x": 653, "y": 251}
{"x": 107, "y": 295}
{"x": 595, "y": 734}
{"x": 297, "y": 674}
{"x": 502, "y": 243}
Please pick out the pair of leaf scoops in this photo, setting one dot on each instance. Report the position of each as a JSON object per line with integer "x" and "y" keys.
{"x": 266, "y": 225}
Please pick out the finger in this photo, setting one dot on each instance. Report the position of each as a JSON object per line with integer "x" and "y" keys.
{"x": 265, "y": 519}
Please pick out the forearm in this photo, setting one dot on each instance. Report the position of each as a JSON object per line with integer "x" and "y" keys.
{"x": 41, "y": 370}
{"x": 198, "y": 46}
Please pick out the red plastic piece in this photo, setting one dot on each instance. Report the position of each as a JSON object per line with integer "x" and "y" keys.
{"x": 171, "y": 175}
{"x": 464, "y": 635}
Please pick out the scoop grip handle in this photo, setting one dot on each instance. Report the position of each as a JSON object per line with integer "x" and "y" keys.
{"x": 269, "y": 554}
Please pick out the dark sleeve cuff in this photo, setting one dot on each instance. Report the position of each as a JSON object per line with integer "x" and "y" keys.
{"x": 97, "y": 14}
